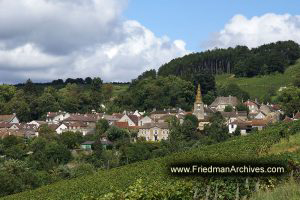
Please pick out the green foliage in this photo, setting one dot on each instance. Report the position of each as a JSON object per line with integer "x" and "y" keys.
{"x": 242, "y": 107}
{"x": 217, "y": 131}
{"x": 289, "y": 190}
{"x": 259, "y": 86}
{"x": 7, "y": 92}
{"x": 114, "y": 133}
{"x": 265, "y": 59}
{"x": 162, "y": 92}
{"x": 228, "y": 108}
{"x": 289, "y": 100}
{"x": 82, "y": 169}
{"x": 193, "y": 119}
{"x": 71, "y": 139}
{"x": 101, "y": 126}
{"x": 15, "y": 176}
{"x": 233, "y": 90}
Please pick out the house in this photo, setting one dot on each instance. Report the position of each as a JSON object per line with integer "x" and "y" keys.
{"x": 121, "y": 124}
{"x": 37, "y": 123}
{"x": 9, "y": 118}
{"x": 287, "y": 119}
{"x": 7, "y": 132}
{"x": 56, "y": 117}
{"x": 78, "y": 126}
{"x": 88, "y": 119}
{"x": 5, "y": 125}
{"x": 260, "y": 115}
{"x": 139, "y": 114}
{"x": 87, "y": 145}
{"x": 252, "y": 106}
{"x": 259, "y": 124}
{"x": 229, "y": 116}
{"x": 221, "y": 102}
{"x": 244, "y": 126}
{"x": 111, "y": 118}
{"x": 144, "y": 120}
{"x": 61, "y": 128}
{"x": 132, "y": 120}
{"x": 157, "y": 114}
{"x": 154, "y": 131}
{"x": 297, "y": 116}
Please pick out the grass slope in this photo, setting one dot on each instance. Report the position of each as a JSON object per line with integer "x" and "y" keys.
{"x": 258, "y": 86}
{"x": 287, "y": 191}
{"x": 153, "y": 171}
{"x": 292, "y": 144}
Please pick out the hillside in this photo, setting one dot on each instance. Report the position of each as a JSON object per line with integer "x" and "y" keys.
{"x": 149, "y": 177}
{"x": 258, "y": 86}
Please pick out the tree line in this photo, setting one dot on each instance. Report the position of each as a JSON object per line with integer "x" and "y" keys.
{"x": 241, "y": 61}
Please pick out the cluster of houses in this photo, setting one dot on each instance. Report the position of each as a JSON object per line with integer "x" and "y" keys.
{"x": 152, "y": 127}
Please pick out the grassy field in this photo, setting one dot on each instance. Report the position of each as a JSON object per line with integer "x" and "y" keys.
{"x": 287, "y": 191}
{"x": 119, "y": 88}
{"x": 286, "y": 145}
{"x": 258, "y": 86}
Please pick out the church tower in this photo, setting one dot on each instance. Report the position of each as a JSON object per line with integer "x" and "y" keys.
{"x": 198, "y": 105}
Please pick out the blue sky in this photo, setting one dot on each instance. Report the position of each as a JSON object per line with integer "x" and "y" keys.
{"x": 195, "y": 20}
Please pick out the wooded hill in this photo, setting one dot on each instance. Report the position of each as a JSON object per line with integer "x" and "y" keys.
{"x": 241, "y": 61}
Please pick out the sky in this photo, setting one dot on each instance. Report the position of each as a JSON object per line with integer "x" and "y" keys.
{"x": 119, "y": 39}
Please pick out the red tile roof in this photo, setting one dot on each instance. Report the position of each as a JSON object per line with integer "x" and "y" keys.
{"x": 259, "y": 122}
{"x": 121, "y": 124}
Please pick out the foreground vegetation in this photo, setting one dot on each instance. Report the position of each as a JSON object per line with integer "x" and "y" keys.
{"x": 149, "y": 177}
{"x": 289, "y": 190}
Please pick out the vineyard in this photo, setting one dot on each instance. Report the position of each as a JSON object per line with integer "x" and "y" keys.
{"x": 150, "y": 179}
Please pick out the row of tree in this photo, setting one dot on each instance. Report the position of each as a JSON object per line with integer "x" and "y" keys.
{"x": 30, "y": 103}
{"x": 241, "y": 61}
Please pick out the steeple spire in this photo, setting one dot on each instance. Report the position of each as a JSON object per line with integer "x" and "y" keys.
{"x": 199, "y": 96}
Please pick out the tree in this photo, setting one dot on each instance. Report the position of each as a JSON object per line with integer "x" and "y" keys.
{"x": 102, "y": 126}
{"x": 30, "y": 88}
{"x": 57, "y": 153}
{"x": 15, "y": 176}
{"x": 7, "y": 92}
{"x": 242, "y": 107}
{"x": 217, "y": 130}
{"x": 19, "y": 106}
{"x": 193, "y": 119}
{"x": 228, "y": 108}
{"x": 289, "y": 99}
{"x": 233, "y": 90}
{"x": 114, "y": 133}
{"x": 46, "y": 132}
{"x": 88, "y": 80}
{"x": 175, "y": 135}
{"x": 47, "y": 102}
{"x": 188, "y": 130}
{"x": 71, "y": 139}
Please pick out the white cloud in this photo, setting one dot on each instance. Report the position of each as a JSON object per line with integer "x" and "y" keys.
{"x": 50, "y": 39}
{"x": 257, "y": 30}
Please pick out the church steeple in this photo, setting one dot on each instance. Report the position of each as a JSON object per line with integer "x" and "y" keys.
{"x": 198, "y": 96}
{"x": 198, "y": 105}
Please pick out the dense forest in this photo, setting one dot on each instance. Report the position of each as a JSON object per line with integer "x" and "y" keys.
{"x": 241, "y": 60}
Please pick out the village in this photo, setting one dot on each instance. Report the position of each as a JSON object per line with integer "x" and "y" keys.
{"x": 154, "y": 126}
